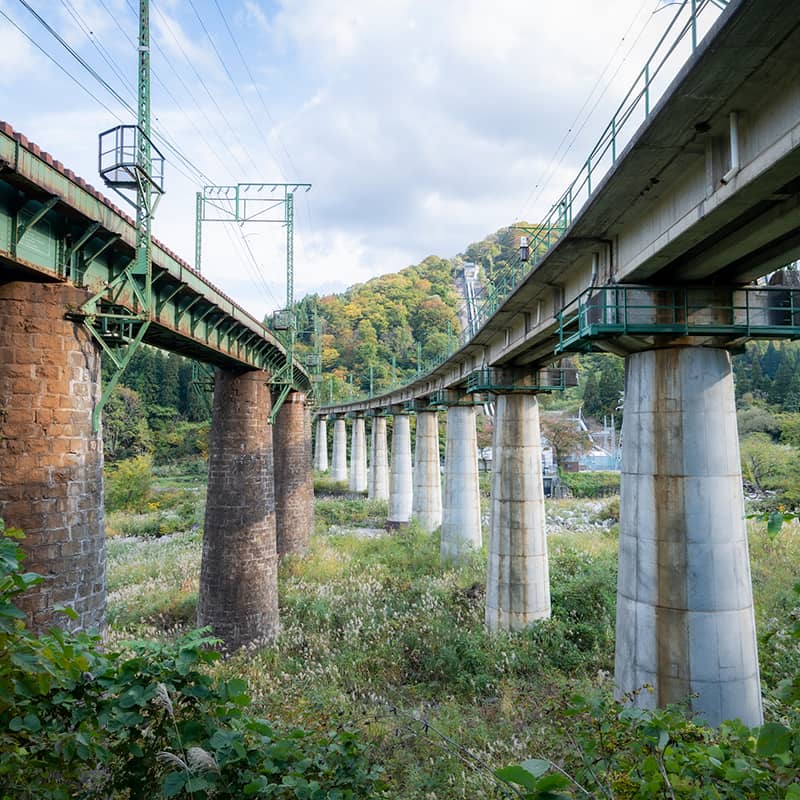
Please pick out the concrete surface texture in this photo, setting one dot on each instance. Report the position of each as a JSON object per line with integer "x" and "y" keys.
{"x": 339, "y": 458}
{"x": 378, "y": 488}
{"x": 400, "y": 486}
{"x": 358, "y": 456}
{"x": 321, "y": 446}
{"x": 518, "y": 577}
{"x": 427, "y": 502}
{"x": 461, "y": 511}
{"x": 685, "y": 620}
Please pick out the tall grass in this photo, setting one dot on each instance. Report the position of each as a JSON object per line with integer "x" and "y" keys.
{"x": 377, "y": 633}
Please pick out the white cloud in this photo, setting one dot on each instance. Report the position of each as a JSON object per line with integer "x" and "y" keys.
{"x": 422, "y": 125}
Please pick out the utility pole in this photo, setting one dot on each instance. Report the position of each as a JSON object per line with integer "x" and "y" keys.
{"x": 259, "y": 202}
{"x": 118, "y": 331}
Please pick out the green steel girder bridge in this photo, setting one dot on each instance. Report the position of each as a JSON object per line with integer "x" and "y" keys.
{"x": 54, "y": 227}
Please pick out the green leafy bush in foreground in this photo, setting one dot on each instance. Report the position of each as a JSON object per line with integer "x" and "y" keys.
{"x": 626, "y": 753}
{"x": 78, "y": 722}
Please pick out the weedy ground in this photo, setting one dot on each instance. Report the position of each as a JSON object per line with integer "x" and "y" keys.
{"x": 378, "y": 635}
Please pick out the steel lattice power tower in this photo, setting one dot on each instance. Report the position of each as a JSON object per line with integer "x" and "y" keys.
{"x": 129, "y": 162}
{"x": 259, "y": 202}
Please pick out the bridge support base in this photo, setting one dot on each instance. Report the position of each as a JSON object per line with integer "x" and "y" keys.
{"x": 379, "y": 461}
{"x": 321, "y": 446}
{"x": 238, "y": 575}
{"x": 51, "y": 462}
{"x": 294, "y": 481}
{"x": 518, "y": 579}
{"x": 358, "y": 456}
{"x": 339, "y": 458}
{"x": 400, "y": 485}
{"x": 685, "y": 622}
{"x": 461, "y": 512}
{"x": 427, "y": 503}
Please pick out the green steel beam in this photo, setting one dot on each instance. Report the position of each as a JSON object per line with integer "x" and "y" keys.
{"x": 101, "y": 260}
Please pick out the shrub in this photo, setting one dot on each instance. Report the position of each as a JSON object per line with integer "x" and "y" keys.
{"x": 591, "y": 484}
{"x": 624, "y": 752}
{"x": 323, "y": 484}
{"x": 128, "y": 483}
{"x": 78, "y": 720}
{"x": 355, "y": 513}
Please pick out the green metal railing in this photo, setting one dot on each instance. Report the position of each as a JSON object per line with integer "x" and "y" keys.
{"x": 689, "y": 20}
{"x": 753, "y": 312}
{"x": 550, "y": 379}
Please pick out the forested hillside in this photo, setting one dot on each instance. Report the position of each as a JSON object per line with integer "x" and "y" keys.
{"x": 382, "y": 330}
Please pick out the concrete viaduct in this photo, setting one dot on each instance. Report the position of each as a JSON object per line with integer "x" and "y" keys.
{"x": 654, "y": 253}
{"x": 67, "y": 293}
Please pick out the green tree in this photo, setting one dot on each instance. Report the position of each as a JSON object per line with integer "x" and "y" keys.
{"x": 125, "y": 430}
{"x": 565, "y": 436}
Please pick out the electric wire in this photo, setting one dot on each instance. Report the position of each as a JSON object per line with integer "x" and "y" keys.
{"x": 99, "y": 78}
{"x": 77, "y": 56}
{"x": 543, "y": 181}
{"x": 60, "y": 66}
{"x": 211, "y": 97}
{"x": 233, "y": 82}
{"x": 173, "y": 98}
{"x": 243, "y": 245}
{"x": 252, "y": 262}
{"x": 256, "y": 126}
{"x": 161, "y": 133}
{"x": 255, "y": 85}
{"x": 104, "y": 54}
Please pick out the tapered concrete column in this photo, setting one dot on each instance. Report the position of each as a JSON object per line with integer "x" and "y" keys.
{"x": 238, "y": 573}
{"x": 358, "y": 456}
{"x": 685, "y": 619}
{"x": 427, "y": 505}
{"x": 518, "y": 579}
{"x": 339, "y": 459}
{"x": 461, "y": 512}
{"x": 321, "y": 446}
{"x": 294, "y": 480}
{"x": 51, "y": 460}
{"x": 370, "y": 474}
{"x": 400, "y": 486}
{"x": 379, "y": 461}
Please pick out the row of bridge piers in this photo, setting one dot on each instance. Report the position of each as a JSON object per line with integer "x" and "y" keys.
{"x": 685, "y": 622}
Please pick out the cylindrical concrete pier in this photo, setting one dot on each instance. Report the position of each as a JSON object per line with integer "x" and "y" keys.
{"x": 321, "y": 446}
{"x": 427, "y": 504}
{"x": 400, "y": 486}
{"x": 339, "y": 459}
{"x": 379, "y": 461}
{"x": 51, "y": 461}
{"x": 461, "y": 512}
{"x": 685, "y": 622}
{"x": 294, "y": 480}
{"x": 358, "y": 456}
{"x": 238, "y": 574}
{"x": 518, "y": 578}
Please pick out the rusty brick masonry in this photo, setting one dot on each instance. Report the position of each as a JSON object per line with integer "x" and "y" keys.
{"x": 238, "y": 576}
{"x": 294, "y": 479}
{"x": 51, "y": 463}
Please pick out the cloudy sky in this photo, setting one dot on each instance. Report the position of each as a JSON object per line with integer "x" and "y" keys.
{"x": 423, "y": 125}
